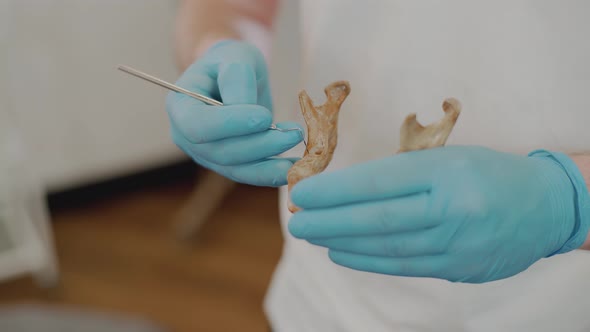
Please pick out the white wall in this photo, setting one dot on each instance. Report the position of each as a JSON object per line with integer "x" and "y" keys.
{"x": 83, "y": 119}
{"x": 285, "y": 63}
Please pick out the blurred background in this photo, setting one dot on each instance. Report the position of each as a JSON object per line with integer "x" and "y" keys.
{"x": 104, "y": 224}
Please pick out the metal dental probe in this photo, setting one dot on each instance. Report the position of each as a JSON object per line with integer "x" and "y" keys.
{"x": 200, "y": 97}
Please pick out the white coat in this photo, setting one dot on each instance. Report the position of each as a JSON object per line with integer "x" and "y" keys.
{"x": 521, "y": 69}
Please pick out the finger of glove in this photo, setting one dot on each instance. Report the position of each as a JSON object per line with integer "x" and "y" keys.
{"x": 226, "y": 53}
{"x": 249, "y": 148}
{"x": 203, "y": 75}
{"x": 389, "y": 216}
{"x": 264, "y": 94}
{"x": 396, "y": 176}
{"x": 271, "y": 172}
{"x": 237, "y": 84}
{"x": 200, "y": 77}
{"x": 420, "y": 266}
{"x": 200, "y": 123}
{"x": 419, "y": 243}
{"x": 232, "y": 51}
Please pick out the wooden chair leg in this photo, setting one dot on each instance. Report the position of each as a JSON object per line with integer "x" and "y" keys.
{"x": 204, "y": 200}
{"x": 47, "y": 275}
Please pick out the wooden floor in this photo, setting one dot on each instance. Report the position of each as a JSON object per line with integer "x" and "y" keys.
{"x": 120, "y": 255}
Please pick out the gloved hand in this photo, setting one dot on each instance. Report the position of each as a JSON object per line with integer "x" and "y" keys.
{"x": 465, "y": 214}
{"x": 232, "y": 140}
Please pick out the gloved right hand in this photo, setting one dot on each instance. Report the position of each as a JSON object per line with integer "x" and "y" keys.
{"x": 233, "y": 140}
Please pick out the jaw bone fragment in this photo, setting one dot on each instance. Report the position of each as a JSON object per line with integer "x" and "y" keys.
{"x": 414, "y": 136}
{"x": 322, "y": 133}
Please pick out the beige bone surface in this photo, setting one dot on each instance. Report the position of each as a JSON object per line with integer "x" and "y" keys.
{"x": 322, "y": 133}
{"x": 414, "y": 136}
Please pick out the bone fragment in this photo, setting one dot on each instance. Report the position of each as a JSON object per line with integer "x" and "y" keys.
{"x": 414, "y": 136}
{"x": 322, "y": 134}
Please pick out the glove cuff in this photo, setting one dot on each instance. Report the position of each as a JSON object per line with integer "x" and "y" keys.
{"x": 581, "y": 196}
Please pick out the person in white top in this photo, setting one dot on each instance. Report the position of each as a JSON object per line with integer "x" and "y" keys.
{"x": 486, "y": 234}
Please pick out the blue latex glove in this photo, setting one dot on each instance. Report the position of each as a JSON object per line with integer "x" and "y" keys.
{"x": 232, "y": 140}
{"x": 465, "y": 214}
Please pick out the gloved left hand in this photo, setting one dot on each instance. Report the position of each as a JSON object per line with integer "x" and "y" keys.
{"x": 465, "y": 214}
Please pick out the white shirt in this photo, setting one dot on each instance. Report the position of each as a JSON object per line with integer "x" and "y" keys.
{"x": 521, "y": 69}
